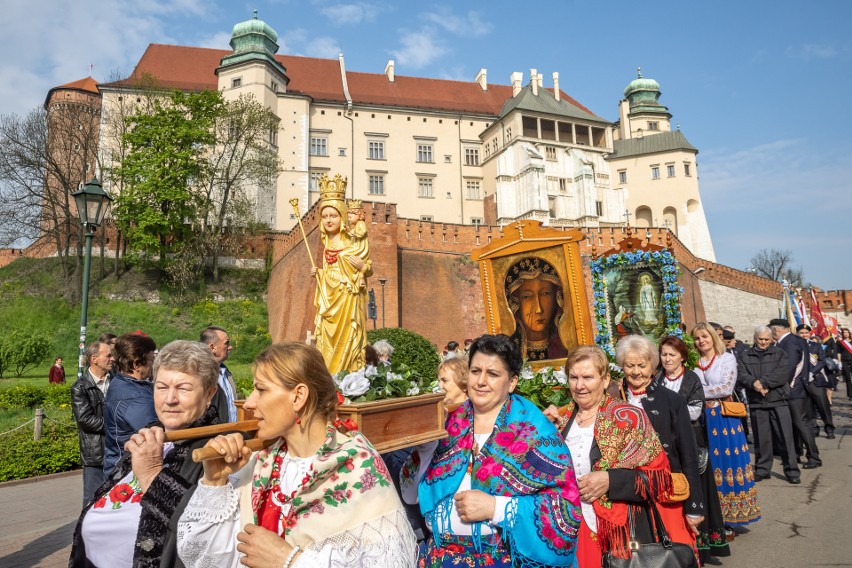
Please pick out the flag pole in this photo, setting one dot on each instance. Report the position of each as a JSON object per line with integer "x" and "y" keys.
{"x": 295, "y": 203}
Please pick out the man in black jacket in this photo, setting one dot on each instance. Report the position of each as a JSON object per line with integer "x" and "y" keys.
{"x": 799, "y": 363}
{"x": 87, "y": 404}
{"x": 763, "y": 371}
{"x": 818, "y": 385}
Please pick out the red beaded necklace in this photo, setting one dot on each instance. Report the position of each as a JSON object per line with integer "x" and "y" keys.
{"x": 640, "y": 392}
{"x": 710, "y": 364}
{"x": 270, "y": 512}
{"x": 682, "y": 371}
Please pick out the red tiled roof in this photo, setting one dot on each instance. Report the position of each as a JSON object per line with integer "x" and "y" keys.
{"x": 87, "y": 85}
{"x": 193, "y": 68}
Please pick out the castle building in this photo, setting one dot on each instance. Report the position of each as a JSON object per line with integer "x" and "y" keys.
{"x": 444, "y": 151}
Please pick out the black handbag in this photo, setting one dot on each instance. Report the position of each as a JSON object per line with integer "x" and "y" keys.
{"x": 660, "y": 554}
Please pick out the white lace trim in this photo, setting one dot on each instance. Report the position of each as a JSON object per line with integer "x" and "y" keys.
{"x": 214, "y": 504}
{"x": 386, "y": 541}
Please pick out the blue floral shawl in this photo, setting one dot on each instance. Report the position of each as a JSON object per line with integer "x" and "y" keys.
{"x": 524, "y": 458}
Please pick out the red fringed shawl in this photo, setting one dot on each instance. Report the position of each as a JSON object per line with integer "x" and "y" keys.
{"x": 627, "y": 440}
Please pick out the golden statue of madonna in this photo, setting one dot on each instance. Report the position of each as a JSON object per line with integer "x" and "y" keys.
{"x": 341, "y": 295}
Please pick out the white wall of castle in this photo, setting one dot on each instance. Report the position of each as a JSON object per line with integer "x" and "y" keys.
{"x": 738, "y": 308}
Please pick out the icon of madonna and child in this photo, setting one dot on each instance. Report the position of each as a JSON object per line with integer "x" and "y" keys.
{"x": 535, "y": 296}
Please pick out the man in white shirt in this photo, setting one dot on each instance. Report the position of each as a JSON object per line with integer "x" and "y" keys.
{"x": 219, "y": 342}
{"x": 87, "y": 402}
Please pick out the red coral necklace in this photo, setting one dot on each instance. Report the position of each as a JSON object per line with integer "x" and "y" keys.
{"x": 682, "y": 371}
{"x": 710, "y": 364}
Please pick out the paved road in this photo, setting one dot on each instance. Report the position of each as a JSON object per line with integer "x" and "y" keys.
{"x": 805, "y": 525}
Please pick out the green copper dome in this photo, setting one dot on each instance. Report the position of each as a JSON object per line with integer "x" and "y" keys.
{"x": 644, "y": 95}
{"x": 254, "y": 35}
{"x": 253, "y": 40}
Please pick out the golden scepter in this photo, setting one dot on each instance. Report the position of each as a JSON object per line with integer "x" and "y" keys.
{"x": 295, "y": 203}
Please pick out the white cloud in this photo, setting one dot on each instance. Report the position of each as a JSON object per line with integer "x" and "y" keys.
{"x": 71, "y": 36}
{"x": 419, "y": 48}
{"x": 326, "y": 47}
{"x": 470, "y": 24}
{"x": 354, "y": 13}
{"x": 810, "y": 51}
{"x": 219, "y": 40}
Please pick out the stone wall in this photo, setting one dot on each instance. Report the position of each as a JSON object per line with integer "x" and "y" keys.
{"x": 742, "y": 309}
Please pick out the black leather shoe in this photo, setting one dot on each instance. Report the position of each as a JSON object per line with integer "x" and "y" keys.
{"x": 794, "y": 480}
{"x": 830, "y": 435}
{"x": 759, "y": 478}
{"x": 812, "y": 464}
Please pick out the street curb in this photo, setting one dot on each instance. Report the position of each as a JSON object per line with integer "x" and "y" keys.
{"x": 37, "y": 478}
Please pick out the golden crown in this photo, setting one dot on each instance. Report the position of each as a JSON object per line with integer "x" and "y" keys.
{"x": 332, "y": 188}
{"x": 354, "y": 204}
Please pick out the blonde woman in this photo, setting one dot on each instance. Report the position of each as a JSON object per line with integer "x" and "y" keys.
{"x": 317, "y": 497}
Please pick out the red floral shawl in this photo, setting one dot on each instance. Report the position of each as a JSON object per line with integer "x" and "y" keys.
{"x": 627, "y": 440}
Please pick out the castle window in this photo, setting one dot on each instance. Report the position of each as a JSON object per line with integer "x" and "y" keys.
{"x": 473, "y": 188}
{"x": 274, "y": 87}
{"x": 376, "y": 151}
{"x": 476, "y": 221}
{"x": 237, "y": 82}
{"x": 471, "y": 156}
{"x": 599, "y": 208}
{"x": 655, "y": 172}
{"x": 670, "y": 170}
{"x": 424, "y": 187}
{"x": 273, "y": 136}
{"x": 424, "y": 153}
{"x": 653, "y": 125}
{"x": 377, "y": 185}
{"x": 341, "y": 152}
{"x": 622, "y": 176}
{"x": 550, "y": 153}
{"x": 686, "y": 169}
{"x": 427, "y": 218}
{"x": 563, "y": 184}
{"x": 319, "y": 146}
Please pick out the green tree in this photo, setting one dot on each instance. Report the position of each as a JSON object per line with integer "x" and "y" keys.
{"x": 240, "y": 171}
{"x": 158, "y": 207}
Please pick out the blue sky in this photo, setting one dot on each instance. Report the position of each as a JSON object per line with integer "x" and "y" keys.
{"x": 758, "y": 87}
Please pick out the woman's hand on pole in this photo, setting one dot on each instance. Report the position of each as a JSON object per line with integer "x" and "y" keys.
{"x": 235, "y": 454}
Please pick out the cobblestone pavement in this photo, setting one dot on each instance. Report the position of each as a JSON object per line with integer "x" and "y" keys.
{"x": 801, "y": 525}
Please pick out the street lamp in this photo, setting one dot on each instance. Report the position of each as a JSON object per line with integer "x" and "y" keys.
{"x": 382, "y": 281}
{"x": 92, "y": 202}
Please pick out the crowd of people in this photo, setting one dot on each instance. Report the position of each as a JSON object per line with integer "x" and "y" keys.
{"x": 510, "y": 485}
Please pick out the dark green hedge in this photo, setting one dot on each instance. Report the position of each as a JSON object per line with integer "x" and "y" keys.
{"x": 20, "y": 456}
{"x": 29, "y": 396}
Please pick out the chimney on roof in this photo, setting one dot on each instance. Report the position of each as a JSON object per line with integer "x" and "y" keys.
{"x": 516, "y": 79}
{"x": 389, "y": 70}
{"x": 556, "y": 85}
{"x": 540, "y": 81}
{"x": 534, "y": 81}
{"x": 482, "y": 79}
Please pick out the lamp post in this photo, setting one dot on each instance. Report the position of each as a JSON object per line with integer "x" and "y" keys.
{"x": 92, "y": 202}
{"x": 382, "y": 281}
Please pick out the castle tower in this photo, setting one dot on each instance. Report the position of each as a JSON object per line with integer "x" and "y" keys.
{"x": 657, "y": 169}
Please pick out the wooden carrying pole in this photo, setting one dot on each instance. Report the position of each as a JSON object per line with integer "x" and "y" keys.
{"x": 203, "y": 454}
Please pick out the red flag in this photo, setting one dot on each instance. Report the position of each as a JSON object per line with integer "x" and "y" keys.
{"x": 818, "y": 320}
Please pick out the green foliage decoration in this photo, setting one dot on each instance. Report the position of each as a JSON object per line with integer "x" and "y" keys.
{"x": 30, "y": 396}
{"x": 410, "y": 349}
{"x": 548, "y": 385}
{"x": 21, "y": 457}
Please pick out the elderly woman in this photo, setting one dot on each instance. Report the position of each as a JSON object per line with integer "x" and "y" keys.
{"x": 611, "y": 442}
{"x": 384, "y": 350}
{"x": 452, "y": 378}
{"x": 729, "y": 457}
{"x": 316, "y": 497}
{"x": 682, "y": 510}
{"x": 500, "y": 491}
{"x": 129, "y": 401}
{"x": 676, "y": 377}
{"x": 132, "y": 520}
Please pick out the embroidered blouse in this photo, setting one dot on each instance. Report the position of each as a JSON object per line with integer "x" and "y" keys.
{"x": 719, "y": 380}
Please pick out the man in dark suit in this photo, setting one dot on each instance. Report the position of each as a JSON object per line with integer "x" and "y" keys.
{"x": 818, "y": 384}
{"x": 799, "y": 369}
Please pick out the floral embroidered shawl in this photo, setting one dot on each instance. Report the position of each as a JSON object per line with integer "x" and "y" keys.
{"x": 626, "y": 440}
{"x": 525, "y": 458}
{"x": 349, "y": 485}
